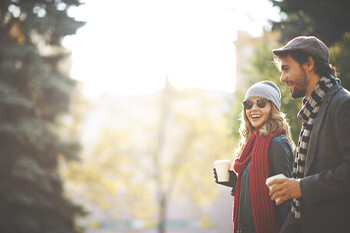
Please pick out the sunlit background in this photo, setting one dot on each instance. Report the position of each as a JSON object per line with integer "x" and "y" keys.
{"x": 159, "y": 77}
{"x": 113, "y": 112}
{"x": 130, "y": 47}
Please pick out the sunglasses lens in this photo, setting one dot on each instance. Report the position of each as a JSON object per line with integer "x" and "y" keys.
{"x": 261, "y": 103}
{"x": 248, "y": 104}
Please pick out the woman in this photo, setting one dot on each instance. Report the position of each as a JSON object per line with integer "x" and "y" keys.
{"x": 265, "y": 150}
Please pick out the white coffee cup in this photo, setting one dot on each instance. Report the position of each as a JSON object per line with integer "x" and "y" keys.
{"x": 271, "y": 178}
{"x": 222, "y": 167}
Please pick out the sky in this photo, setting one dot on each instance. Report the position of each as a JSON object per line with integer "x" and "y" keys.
{"x": 130, "y": 47}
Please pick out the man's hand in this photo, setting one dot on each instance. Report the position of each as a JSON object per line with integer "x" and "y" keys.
{"x": 285, "y": 188}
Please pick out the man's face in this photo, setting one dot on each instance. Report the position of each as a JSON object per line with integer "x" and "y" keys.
{"x": 294, "y": 76}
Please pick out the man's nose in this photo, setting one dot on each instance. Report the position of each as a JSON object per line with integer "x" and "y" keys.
{"x": 283, "y": 78}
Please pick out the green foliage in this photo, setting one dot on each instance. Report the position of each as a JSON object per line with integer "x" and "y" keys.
{"x": 328, "y": 20}
{"x": 34, "y": 93}
{"x": 340, "y": 56}
{"x": 236, "y": 111}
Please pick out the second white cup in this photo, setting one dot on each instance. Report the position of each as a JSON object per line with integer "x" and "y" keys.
{"x": 268, "y": 180}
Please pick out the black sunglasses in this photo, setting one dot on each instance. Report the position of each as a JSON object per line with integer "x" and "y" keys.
{"x": 248, "y": 104}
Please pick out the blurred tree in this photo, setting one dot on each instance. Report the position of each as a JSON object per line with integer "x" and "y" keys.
{"x": 150, "y": 152}
{"x": 35, "y": 90}
{"x": 340, "y": 56}
{"x": 328, "y": 20}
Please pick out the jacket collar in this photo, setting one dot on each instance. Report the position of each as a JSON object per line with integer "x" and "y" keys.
{"x": 314, "y": 137}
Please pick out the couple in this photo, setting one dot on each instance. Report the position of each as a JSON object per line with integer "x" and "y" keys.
{"x": 317, "y": 198}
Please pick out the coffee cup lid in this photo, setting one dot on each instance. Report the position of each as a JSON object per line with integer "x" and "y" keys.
{"x": 271, "y": 178}
{"x": 219, "y": 161}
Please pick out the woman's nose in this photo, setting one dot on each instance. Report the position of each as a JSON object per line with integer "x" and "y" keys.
{"x": 254, "y": 106}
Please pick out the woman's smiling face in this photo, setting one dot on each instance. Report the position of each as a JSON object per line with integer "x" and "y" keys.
{"x": 257, "y": 116}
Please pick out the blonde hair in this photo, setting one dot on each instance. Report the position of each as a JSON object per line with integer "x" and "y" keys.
{"x": 276, "y": 122}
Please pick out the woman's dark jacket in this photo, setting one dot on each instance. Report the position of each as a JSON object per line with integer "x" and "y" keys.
{"x": 280, "y": 157}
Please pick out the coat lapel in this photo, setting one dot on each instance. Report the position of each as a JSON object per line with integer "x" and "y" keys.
{"x": 314, "y": 137}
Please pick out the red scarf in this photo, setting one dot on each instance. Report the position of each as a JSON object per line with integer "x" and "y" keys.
{"x": 256, "y": 151}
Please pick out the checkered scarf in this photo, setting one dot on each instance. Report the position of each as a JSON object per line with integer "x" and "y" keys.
{"x": 308, "y": 115}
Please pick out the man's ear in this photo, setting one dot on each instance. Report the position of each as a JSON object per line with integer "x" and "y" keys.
{"x": 310, "y": 64}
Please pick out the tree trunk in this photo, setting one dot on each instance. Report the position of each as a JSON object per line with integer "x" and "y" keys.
{"x": 164, "y": 114}
{"x": 162, "y": 213}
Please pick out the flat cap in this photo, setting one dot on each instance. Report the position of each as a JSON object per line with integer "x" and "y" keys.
{"x": 309, "y": 44}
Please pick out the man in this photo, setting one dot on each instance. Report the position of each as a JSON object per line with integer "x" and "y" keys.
{"x": 320, "y": 188}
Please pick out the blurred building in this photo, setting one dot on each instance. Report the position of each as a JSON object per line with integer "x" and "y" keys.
{"x": 245, "y": 47}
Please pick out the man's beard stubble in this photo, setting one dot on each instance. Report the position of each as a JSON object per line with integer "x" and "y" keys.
{"x": 299, "y": 85}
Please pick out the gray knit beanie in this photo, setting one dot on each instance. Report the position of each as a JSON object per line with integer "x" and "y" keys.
{"x": 267, "y": 90}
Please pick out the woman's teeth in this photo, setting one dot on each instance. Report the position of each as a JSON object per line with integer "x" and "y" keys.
{"x": 256, "y": 116}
